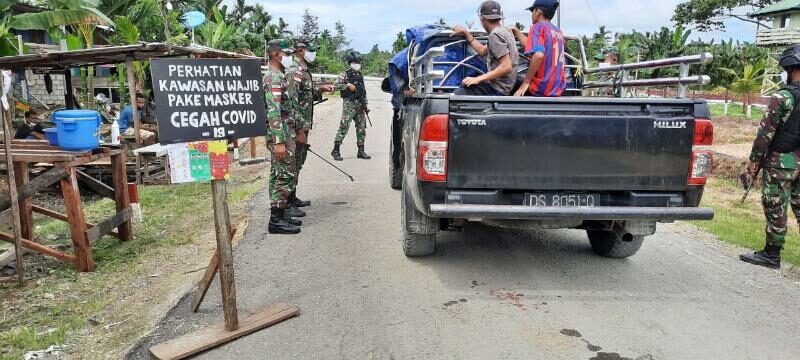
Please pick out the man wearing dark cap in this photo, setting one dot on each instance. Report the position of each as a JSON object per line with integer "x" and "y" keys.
{"x": 501, "y": 53}
{"x": 544, "y": 44}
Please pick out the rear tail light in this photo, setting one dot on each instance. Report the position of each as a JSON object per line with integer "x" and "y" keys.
{"x": 432, "y": 150}
{"x": 702, "y": 160}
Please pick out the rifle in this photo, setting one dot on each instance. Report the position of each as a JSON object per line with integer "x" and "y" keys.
{"x": 743, "y": 178}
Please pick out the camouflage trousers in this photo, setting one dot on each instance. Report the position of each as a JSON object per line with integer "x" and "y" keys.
{"x": 282, "y": 175}
{"x": 300, "y": 157}
{"x": 780, "y": 189}
{"x": 352, "y": 111}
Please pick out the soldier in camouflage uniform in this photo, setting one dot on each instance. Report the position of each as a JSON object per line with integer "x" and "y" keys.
{"x": 777, "y": 150}
{"x": 609, "y": 55}
{"x": 281, "y": 101}
{"x": 305, "y": 54}
{"x": 355, "y": 107}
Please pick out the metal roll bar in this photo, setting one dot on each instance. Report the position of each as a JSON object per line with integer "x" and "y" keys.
{"x": 683, "y": 80}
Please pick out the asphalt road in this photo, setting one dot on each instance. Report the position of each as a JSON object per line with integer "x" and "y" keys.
{"x": 487, "y": 293}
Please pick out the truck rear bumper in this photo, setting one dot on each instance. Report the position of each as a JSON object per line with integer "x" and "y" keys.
{"x": 515, "y": 212}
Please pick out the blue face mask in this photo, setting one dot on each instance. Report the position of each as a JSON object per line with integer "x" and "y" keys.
{"x": 785, "y": 77}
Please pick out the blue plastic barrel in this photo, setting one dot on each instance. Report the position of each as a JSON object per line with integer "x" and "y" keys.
{"x": 77, "y": 129}
{"x": 52, "y": 136}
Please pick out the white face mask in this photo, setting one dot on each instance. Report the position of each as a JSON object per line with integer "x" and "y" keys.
{"x": 356, "y": 67}
{"x": 785, "y": 77}
{"x": 310, "y": 56}
{"x": 286, "y": 61}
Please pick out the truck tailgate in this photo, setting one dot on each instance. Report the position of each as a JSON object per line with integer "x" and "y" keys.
{"x": 569, "y": 143}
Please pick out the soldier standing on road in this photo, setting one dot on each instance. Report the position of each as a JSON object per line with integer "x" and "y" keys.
{"x": 281, "y": 101}
{"x": 777, "y": 150}
{"x": 305, "y": 54}
{"x": 355, "y": 106}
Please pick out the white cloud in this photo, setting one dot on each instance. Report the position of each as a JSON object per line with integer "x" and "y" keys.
{"x": 373, "y": 22}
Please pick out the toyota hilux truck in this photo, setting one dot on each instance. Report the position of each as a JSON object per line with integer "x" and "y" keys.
{"x": 614, "y": 167}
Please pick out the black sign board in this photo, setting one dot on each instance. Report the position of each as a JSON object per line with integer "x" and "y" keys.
{"x": 208, "y": 99}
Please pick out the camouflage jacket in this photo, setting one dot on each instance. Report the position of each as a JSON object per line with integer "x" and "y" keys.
{"x": 281, "y": 98}
{"x": 780, "y": 108}
{"x": 306, "y": 94}
{"x": 341, "y": 84}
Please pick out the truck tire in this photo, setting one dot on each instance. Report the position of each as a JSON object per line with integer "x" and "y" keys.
{"x": 609, "y": 244}
{"x": 419, "y": 230}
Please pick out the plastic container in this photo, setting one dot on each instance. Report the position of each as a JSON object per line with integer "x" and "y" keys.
{"x": 52, "y": 136}
{"x": 77, "y": 129}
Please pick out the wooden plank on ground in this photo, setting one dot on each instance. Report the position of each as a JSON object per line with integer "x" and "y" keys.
{"x": 96, "y": 185}
{"x": 216, "y": 335}
{"x": 111, "y": 223}
{"x": 46, "y": 250}
{"x": 10, "y": 256}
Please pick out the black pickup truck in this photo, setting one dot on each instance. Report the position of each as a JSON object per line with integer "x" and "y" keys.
{"x": 614, "y": 167}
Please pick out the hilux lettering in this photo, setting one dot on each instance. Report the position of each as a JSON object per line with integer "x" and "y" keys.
{"x": 669, "y": 125}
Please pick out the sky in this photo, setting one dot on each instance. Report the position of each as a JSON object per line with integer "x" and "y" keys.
{"x": 378, "y": 22}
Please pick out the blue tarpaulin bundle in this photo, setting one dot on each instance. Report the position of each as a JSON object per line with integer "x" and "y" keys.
{"x": 425, "y": 38}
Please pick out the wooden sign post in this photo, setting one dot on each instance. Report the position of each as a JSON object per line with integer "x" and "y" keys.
{"x": 206, "y": 100}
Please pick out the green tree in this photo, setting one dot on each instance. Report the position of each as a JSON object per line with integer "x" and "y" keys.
{"x": 709, "y": 15}
{"x": 747, "y": 82}
{"x": 399, "y": 43}
{"x": 240, "y": 11}
{"x": 220, "y": 35}
{"x": 310, "y": 25}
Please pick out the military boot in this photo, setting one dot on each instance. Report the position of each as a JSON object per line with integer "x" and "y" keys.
{"x": 294, "y": 200}
{"x": 292, "y": 221}
{"x": 335, "y": 153}
{"x": 769, "y": 257}
{"x": 278, "y": 223}
{"x": 294, "y": 212}
{"x": 362, "y": 154}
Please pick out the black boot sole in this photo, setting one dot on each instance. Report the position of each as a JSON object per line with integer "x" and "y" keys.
{"x": 283, "y": 232}
{"x": 755, "y": 262}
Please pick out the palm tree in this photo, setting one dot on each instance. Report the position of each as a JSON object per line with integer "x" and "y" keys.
{"x": 747, "y": 82}
{"x": 240, "y": 11}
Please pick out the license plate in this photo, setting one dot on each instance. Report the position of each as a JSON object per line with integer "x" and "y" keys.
{"x": 561, "y": 200}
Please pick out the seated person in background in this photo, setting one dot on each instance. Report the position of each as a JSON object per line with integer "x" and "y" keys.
{"x": 31, "y": 129}
{"x": 545, "y": 44}
{"x": 126, "y": 126}
{"x": 501, "y": 52}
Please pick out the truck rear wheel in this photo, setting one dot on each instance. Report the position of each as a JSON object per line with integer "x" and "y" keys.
{"x": 609, "y": 244}
{"x": 419, "y": 230}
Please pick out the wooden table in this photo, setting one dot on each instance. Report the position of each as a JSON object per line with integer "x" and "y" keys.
{"x": 65, "y": 170}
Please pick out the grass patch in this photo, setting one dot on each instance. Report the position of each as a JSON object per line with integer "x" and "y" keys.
{"x": 59, "y": 301}
{"x": 735, "y": 111}
{"x": 742, "y": 224}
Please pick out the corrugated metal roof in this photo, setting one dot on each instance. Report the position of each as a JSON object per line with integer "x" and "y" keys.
{"x": 777, "y": 8}
{"x": 111, "y": 55}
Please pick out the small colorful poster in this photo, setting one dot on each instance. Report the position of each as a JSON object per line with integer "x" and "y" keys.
{"x": 198, "y": 161}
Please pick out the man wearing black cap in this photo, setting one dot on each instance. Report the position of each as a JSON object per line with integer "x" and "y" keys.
{"x": 501, "y": 52}
{"x": 545, "y": 45}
